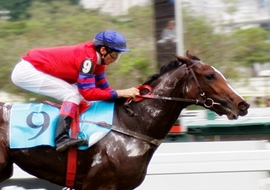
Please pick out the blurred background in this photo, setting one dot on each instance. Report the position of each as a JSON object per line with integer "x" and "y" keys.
{"x": 231, "y": 35}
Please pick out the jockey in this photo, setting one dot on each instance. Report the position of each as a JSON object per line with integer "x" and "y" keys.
{"x": 72, "y": 74}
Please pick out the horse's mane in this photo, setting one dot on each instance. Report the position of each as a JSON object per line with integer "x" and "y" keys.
{"x": 164, "y": 69}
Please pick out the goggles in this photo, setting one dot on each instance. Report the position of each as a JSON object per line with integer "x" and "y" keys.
{"x": 114, "y": 54}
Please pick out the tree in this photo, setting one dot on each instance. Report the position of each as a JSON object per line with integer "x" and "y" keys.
{"x": 71, "y": 25}
{"x": 251, "y": 45}
{"x": 226, "y": 51}
{"x": 213, "y": 48}
{"x": 17, "y": 8}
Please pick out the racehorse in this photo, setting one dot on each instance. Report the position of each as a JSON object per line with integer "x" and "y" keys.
{"x": 119, "y": 160}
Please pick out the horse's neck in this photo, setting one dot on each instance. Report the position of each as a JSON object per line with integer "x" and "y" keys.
{"x": 156, "y": 117}
{"x": 151, "y": 117}
{"x": 165, "y": 119}
{"x": 162, "y": 114}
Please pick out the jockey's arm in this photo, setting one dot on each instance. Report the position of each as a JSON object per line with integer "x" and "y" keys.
{"x": 97, "y": 88}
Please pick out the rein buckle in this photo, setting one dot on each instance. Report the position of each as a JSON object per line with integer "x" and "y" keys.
{"x": 209, "y": 102}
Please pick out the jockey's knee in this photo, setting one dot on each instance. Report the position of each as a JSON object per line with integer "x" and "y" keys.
{"x": 15, "y": 78}
{"x": 76, "y": 99}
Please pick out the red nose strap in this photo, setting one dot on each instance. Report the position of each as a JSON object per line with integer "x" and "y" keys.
{"x": 143, "y": 87}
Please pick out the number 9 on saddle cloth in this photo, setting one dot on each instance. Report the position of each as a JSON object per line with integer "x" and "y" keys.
{"x": 33, "y": 124}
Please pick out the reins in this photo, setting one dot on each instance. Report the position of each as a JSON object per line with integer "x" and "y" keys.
{"x": 195, "y": 101}
{"x": 207, "y": 102}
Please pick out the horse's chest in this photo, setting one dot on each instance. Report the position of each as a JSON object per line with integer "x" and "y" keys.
{"x": 124, "y": 159}
{"x": 120, "y": 150}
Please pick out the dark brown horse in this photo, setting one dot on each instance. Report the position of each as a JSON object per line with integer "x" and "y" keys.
{"x": 119, "y": 161}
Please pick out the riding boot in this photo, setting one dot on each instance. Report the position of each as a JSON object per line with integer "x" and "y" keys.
{"x": 62, "y": 138}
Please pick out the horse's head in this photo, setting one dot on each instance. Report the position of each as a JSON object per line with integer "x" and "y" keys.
{"x": 209, "y": 86}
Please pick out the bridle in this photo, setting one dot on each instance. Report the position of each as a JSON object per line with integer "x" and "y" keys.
{"x": 206, "y": 102}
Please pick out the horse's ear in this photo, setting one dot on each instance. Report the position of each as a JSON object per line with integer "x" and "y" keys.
{"x": 182, "y": 59}
{"x": 193, "y": 57}
{"x": 189, "y": 55}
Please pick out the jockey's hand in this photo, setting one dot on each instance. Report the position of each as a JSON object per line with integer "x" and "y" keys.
{"x": 128, "y": 93}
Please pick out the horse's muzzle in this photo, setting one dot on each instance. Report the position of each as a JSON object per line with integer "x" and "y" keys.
{"x": 243, "y": 108}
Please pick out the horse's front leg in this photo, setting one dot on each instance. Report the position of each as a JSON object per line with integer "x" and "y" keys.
{"x": 101, "y": 175}
{"x": 117, "y": 165}
{"x": 112, "y": 174}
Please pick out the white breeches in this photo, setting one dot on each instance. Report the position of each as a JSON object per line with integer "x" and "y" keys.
{"x": 26, "y": 76}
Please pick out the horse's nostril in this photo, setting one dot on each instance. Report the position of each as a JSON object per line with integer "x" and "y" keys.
{"x": 243, "y": 106}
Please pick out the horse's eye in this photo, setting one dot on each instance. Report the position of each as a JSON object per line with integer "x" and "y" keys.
{"x": 209, "y": 77}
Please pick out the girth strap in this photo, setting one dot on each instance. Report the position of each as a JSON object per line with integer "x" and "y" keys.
{"x": 128, "y": 132}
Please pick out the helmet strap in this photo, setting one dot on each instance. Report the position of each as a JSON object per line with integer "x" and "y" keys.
{"x": 103, "y": 57}
{"x": 108, "y": 51}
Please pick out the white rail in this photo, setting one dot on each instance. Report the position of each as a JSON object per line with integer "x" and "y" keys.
{"x": 236, "y": 165}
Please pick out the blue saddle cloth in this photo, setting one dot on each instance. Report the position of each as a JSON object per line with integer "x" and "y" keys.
{"x": 33, "y": 124}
